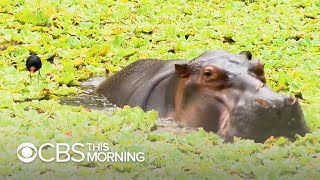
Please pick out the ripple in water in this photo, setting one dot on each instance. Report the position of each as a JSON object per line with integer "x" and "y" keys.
{"x": 88, "y": 99}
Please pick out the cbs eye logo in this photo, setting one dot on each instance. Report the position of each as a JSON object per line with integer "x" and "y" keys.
{"x": 26, "y": 152}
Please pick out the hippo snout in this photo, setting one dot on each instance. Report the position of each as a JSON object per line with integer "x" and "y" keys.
{"x": 265, "y": 117}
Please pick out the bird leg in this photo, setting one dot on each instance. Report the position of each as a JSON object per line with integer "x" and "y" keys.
{"x": 39, "y": 76}
{"x": 30, "y": 75}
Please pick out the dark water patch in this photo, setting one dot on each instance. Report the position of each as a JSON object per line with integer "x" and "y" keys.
{"x": 88, "y": 99}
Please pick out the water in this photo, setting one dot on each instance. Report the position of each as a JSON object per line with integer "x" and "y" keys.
{"x": 97, "y": 102}
{"x": 88, "y": 99}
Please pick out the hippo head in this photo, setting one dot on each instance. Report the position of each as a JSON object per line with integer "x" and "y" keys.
{"x": 227, "y": 94}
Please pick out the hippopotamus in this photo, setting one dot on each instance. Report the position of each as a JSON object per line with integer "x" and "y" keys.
{"x": 219, "y": 91}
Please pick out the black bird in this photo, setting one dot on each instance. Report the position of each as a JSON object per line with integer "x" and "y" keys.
{"x": 33, "y": 64}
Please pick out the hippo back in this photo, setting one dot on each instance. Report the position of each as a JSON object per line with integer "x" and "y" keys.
{"x": 138, "y": 82}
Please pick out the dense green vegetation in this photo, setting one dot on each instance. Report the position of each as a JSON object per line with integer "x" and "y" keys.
{"x": 78, "y": 39}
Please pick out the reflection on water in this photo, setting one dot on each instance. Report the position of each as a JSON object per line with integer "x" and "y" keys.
{"x": 88, "y": 99}
{"x": 92, "y": 101}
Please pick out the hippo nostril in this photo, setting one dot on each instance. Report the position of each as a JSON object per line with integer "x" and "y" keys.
{"x": 263, "y": 103}
{"x": 291, "y": 100}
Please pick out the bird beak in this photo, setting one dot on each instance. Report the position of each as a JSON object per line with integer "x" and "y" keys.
{"x": 32, "y": 70}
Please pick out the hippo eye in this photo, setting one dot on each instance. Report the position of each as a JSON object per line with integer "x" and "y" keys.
{"x": 213, "y": 73}
{"x": 207, "y": 73}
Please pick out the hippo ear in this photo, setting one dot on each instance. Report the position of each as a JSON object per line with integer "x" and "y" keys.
{"x": 246, "y": 54}
{"x": 182, "y": 70}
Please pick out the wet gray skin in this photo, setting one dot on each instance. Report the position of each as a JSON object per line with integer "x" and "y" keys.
{"x": 219, "y": 91}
